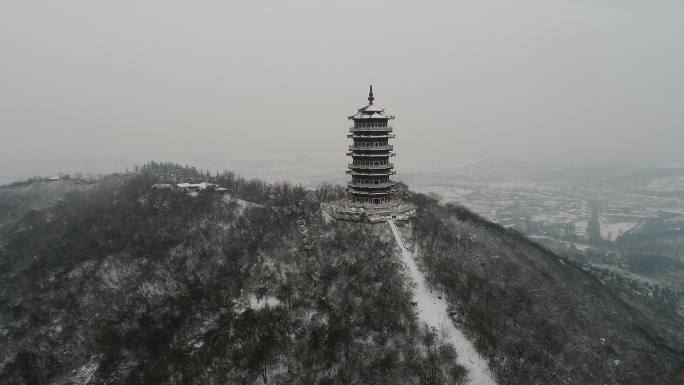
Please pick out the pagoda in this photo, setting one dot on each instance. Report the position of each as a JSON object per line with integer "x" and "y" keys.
{"x": 370, "y": 191}
{"x": 370, "y": 152}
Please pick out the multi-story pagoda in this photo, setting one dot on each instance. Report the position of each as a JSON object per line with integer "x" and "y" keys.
{"x": 370, "y": 188}
{"x": 370, "y": 168}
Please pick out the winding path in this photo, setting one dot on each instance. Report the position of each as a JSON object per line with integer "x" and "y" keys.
{"x": 433, "y": 311}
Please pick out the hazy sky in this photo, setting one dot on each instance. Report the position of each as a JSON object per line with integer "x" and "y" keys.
{"x": 198, "y": 80}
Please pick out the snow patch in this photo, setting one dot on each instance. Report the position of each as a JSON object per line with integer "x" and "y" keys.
{"x": 84, "y": 375}
{"x": 255, "y": 303}
{"x": 262, "y": 302}
{"x": 611, "y": 231}
{"x": 242, "y": 204}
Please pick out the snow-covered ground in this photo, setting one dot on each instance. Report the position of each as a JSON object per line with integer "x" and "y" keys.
{"x": 241, "y": 204}
{"x": 611, "y": 231}
{"x": 260, "y": 303}
{"x": 433, "y": 311}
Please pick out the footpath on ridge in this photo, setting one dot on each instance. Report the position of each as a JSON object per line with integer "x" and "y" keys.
{"x": 432, "y": 310}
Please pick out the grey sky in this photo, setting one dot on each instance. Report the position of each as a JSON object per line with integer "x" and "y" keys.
{"x": 196, "y": 80}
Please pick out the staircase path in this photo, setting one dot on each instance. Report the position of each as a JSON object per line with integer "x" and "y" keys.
{"x": 433, "y": 311}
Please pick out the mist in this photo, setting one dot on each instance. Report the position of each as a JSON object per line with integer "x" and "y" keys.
{"x": 221, "y": 83}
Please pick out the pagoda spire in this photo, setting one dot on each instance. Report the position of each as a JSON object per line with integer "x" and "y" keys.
{"x": 370, "y": 96}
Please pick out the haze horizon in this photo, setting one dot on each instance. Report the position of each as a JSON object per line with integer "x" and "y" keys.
{"x": 200, "y": 83}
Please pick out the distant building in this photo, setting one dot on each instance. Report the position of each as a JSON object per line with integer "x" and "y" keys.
{"x": 195, "y": 187}
{"x": 204, "y": 186}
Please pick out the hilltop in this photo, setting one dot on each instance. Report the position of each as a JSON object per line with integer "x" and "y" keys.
{"x": 111, "y": 281}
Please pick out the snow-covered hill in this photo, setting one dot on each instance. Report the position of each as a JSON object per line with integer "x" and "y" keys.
{"x": 116, "y": 282}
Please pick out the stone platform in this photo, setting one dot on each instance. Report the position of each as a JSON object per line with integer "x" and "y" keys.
{"x": 346, "y": 210}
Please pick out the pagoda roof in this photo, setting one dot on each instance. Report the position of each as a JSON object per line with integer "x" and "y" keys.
{"x": 371, "y": 115}
{"x": 371, "y": 111}
{"x": 371, "y": 108}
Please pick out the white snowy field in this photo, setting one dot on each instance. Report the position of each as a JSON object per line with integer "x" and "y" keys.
{"x": 432, "y": 310}
{"x": 611, "y": 231}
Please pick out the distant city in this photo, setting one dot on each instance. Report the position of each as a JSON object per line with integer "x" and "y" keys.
{"x": 617, "y": 219}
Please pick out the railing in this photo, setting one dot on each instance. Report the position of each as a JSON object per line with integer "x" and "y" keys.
{"x": 371, "y": 166}
{"x": 381, "y": 129}
{"x": 370, "y": 185}
{"x": 363, "y": 173}
{"x": 386, "y": 147}
{"x": 366, "y": 125}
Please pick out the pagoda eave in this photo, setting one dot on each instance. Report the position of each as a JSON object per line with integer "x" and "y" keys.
{"x": 370, "y": 173}
{"x": 381, "y": 136}
{"x": 375, "y": 155}
{"x": 371, "y": 148}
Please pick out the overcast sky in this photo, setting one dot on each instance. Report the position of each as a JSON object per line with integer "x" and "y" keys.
{"x": 199, "y": 80}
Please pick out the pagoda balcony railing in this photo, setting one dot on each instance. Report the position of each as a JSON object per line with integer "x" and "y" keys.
{"x": 371, "y": 155}
{"x": 371, "y": 166}
{"x": 362, "y": 129}
{"x": 387, "y": 207}
{"x": 385, "y": 147}
{"x": 380, "y": 136}
{"x": 371, "y": 173}
{"x": 370, "y": 185}
{"x": 369, "y": 125}
{"x": 360, "y": 192}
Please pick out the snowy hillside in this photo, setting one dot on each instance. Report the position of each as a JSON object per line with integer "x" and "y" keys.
{"x": 113, "y": 281}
